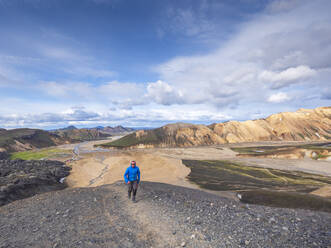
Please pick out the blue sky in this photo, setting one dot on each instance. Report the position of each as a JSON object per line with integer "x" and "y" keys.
{"x": 148, "y": 63}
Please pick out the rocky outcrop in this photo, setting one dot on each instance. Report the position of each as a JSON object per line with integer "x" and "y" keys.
{"x": 20, "y": 179}
{"x": 302, "y": 125}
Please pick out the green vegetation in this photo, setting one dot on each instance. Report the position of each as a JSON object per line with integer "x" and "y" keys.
{"x": 324, "y": 146}
{"x": 286, "y": 199}
{"x": 277, "y": 150}
{"x": 126, "y": 141}
{"x": 258, "y": 150}
{"x": 39, "y": 154}
{"x": 154, "y": 136}
{"x": 226, "y": 175}
{"x": 320, "y": 156}
{"x": 262, "y": 186}
{"x": 35, "y": 137}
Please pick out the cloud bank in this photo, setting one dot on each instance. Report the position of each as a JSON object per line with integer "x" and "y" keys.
{"x": 277, "y": 60}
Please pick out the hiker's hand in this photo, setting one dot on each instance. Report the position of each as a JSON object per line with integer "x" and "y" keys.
{"x": 128, "y": 182}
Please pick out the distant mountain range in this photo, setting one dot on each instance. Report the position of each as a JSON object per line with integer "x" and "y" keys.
{"x": 86, "y": 134}
{"x": 22, "y": 139}
{"x": 302, "y": 125}
{"x": 115, "y": 130}
{"x": 107, "y": 129}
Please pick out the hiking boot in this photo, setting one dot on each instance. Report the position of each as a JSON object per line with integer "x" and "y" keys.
{"x": 134, "y": 198}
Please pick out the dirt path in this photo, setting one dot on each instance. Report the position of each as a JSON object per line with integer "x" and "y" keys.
{"x": 149, "y": 228}
{"x": 158, "y": 222}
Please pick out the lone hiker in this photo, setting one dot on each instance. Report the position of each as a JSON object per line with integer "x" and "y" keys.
{"x": 132, "y": 179}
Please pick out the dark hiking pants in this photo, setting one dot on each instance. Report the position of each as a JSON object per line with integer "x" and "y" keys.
{"x": 132, "y": 186}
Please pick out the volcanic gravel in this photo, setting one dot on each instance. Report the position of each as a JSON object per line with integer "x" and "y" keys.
{"x": 4, "y": 155}
{"x": 163, "y": 216}
{"x": 20, "y": 179}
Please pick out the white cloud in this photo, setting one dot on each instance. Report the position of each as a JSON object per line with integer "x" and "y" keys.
{"x": 66, "y": 89}
{"x": 47, "y": 119}
{"x": 47, "y": 52}
{"x": 274, "y": 50}
{"x": 82, "y": 116}
{"x": 91, "y": 72}
{"x": 124, "y": 94}
{"x": 121, "y": 90}
{"x": 162, "y": 93}
{"x": 287, "y": 46}
{"x": 288, "y": 76}
{"x": 71, "y": 60}
{"x": 278, "y": 97}
{"x": 61, "y": 53}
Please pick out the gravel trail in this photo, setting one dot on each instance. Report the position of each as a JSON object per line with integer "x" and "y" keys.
{"x": 163, "y": 216}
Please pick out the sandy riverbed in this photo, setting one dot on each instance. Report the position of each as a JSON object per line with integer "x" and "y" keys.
{"x": 87, "y": 171}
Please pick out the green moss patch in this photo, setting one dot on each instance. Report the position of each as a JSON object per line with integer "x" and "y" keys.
{"x": 257, "y": 151}
{"x": 286, "y": 199}
{"x": 226, "y": 175}
{"x": 264, "y": 186}
{"x": 39, "y": 154}
{"x": 150, "y": 137}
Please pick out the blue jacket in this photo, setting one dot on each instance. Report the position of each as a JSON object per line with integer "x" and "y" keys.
{"x": 132, "y": 174}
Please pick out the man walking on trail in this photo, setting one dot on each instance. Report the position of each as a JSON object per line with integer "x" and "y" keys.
{"x": 132, "y": 179}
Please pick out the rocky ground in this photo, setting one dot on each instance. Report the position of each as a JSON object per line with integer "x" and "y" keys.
{"x": 4, "y": 155}
{"x": 163, "y": 216}
{"x": 20, "y": 178}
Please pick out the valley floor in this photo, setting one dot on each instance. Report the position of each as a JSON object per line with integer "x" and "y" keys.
{"x": 170, "y": 210}
{"x": 97, "y": 167}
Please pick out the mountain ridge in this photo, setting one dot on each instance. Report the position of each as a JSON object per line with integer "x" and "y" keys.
{"x": 22, "y": 139}
{"x": 301, "y": 125}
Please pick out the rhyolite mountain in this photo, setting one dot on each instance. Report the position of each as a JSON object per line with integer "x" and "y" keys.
{"x": 86, "y": 134}
{"x": 22, "y": 139}
{"x": 116, "y": 130}
{"x": 302, "y": 125}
